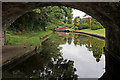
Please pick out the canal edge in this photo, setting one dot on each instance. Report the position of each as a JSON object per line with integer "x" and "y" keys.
{"x": 25, "y": 56}
{"x": 94, "y": 35}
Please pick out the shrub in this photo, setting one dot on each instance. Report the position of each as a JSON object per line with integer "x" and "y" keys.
{"x": 84, "y": 20}
{"x": 78, "y": 22}
{"x": 84, "y": 26}
{"x": 95, "y": 24}
{"x": 68, "y": 25}
{"x": 76, "y": 28}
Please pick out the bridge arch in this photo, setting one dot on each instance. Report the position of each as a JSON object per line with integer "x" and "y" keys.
{"x": 106, "y": 13}
{"x": 103, "y": 12}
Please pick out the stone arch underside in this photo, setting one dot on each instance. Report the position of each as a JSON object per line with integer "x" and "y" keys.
{"x": 104, "y": 12}
{"x": 108, "y": 14}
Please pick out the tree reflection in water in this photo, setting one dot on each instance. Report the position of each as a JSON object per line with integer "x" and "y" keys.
{"x": 49, "y": 62}
{"x": 93, "y": 44}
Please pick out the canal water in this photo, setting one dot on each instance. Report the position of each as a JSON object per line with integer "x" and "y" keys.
{"x": 64, "y": 55}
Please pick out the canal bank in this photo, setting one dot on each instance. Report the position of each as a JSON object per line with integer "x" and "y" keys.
{"x": 63, "y": 55}
{"x": 94, "y": 35}
{"x": 22, "y": 51}
{"x": 15, "y": 54}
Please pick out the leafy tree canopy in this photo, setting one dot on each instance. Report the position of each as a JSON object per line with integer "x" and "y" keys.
{"x": 43, "y": 18}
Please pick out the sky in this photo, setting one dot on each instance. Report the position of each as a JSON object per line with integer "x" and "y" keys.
{"x": 78, "y": 13}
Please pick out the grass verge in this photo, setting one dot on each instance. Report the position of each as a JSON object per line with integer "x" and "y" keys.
{"x": 32, "y": 38}
{"x": 98, "y": 32}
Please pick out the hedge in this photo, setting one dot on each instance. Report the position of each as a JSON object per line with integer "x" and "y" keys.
{"x": 84, "y": 26}
{"x": 95, "y": 24}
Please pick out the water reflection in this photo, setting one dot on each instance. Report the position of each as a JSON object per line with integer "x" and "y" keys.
{"x": 63, "y": 56}
{"x": 93, "y": 44}
{"x": 86, "y": 52}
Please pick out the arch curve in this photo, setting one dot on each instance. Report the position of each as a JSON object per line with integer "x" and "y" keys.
{"x": 107, "y": 13}
{"x": 103, "y": 12}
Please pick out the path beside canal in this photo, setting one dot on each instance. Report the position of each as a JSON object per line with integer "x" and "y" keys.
{"x": 10, "y": 53}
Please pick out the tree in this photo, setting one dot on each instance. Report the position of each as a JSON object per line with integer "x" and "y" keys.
{"x": 68, "y": 15}
{"x": 43, "y": 18}
{"x": 95, "y": 24}
{"x": 77, "y": 23}
{"x": 49, "y": 63}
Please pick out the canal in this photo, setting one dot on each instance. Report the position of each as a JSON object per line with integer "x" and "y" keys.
{"x": 63, "y": 55}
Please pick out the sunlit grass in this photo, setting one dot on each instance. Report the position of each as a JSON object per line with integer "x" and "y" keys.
{"x": 14, "y": 39}
{"x": 30, "y": 39}
{"x": 99, "y": 31}
{"x": 33, "y": 41}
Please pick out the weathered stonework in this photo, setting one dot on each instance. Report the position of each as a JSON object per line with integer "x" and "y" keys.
{"x": 108, "y": 14}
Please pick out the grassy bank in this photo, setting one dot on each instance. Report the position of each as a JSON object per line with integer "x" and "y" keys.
{"x": 98, "y": 32}
{"x": 31, "y": 38}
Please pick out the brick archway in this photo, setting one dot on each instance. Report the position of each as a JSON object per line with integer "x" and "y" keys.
{"x": 106, "y": 13}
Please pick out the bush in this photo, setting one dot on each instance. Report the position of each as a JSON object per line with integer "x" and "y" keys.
{"x": 68, "y": 25}
{"x": 84, "y": 26}
{"x": 78, "y": 22}
{"x": 95, "y": 24}
{"x": 84, "y": 20}
{"x": 76, "y": 28}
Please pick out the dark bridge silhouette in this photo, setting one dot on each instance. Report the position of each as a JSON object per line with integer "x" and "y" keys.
{"x": 108, "y": 14}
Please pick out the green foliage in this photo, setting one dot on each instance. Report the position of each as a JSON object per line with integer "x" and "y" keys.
{"x": 40, "y": 19}
{"x": 50, "y": 62}
{"x": 14, "y": 39}
{"x": 84, "y": 20}
{"x": 51, "y": 26}
{"x": 97, "y": 48}
{"x": 69, "y": 40}
{"x": 95, "y": 24}
{"x": 37, "y": 10}
{"x": 43, "y": 18}
{"x": 68, "y": 25}
{"x": 30, "y": 39}
{"x": 99, "y": 31}
{"x": 33, "y": 41}
{"x": 75, "y": 28}
{"x": 77, "y": 23}
{"x": 93, "y": 44}
{"x": 84, "y": 26}
{"x": 68, "y": 15}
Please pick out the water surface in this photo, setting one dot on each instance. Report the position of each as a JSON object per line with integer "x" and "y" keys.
{"x": 64, "y": 55}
